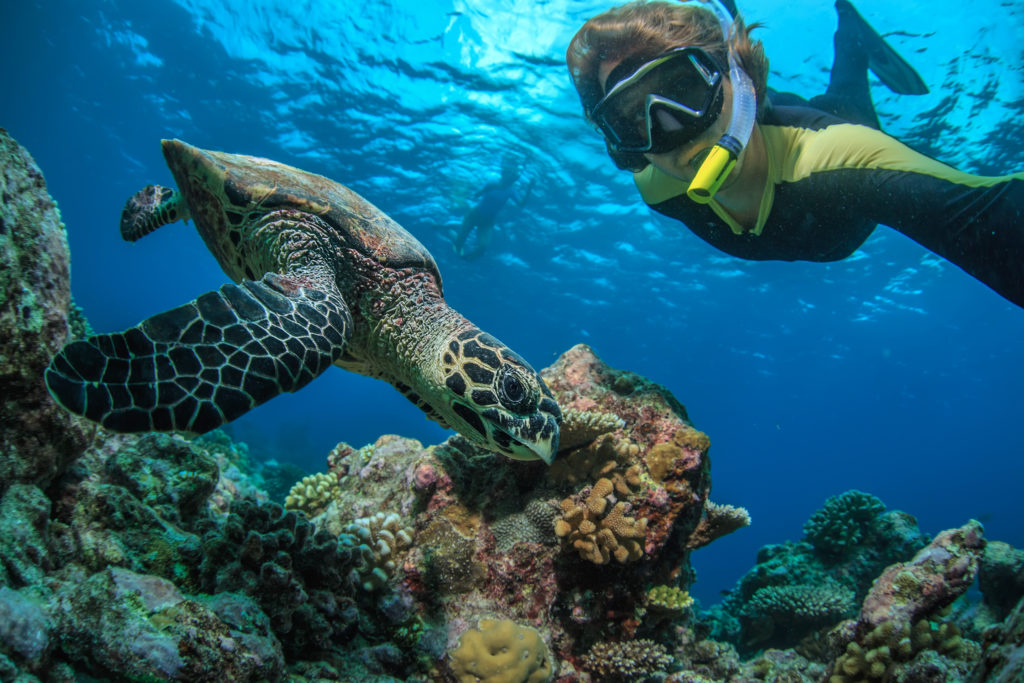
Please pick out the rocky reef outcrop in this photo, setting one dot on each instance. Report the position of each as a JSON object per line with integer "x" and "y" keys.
{"x": 37, "y": 439}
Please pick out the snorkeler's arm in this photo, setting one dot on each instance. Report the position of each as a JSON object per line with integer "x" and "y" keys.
{"x": 976, "y": 222}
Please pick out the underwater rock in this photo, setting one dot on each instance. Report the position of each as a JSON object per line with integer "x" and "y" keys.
{"x": 937, "y": 575}
{"x": 26, "y": 627}
{"x": 37, "y": 439}
{"x": 1001, "y": 577}
{"x": 127, "y": 625}
{"x": 1002, "y": 659}
{"x": 25, "y": 556}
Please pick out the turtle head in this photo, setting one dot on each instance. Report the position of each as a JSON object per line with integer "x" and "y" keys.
{"x": 495, "y": 399}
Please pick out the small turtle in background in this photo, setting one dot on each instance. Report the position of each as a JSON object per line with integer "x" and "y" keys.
{"x": 324, "y": 277}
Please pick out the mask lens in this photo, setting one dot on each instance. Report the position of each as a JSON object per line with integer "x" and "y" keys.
{"x": 669, "y": 97}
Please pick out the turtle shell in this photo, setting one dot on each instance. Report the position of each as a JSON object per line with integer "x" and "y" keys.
{"x": 241, "y": 184}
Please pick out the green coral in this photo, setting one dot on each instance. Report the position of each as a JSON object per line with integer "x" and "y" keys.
{"x": 890, "y": 644}
{"x": 842, "y": 523}
{"x": 668, "y": 599}
{"x": 796, "y": 610}
{"x": 501, "y": 652}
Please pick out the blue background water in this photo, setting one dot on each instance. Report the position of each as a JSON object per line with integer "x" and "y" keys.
{"x": 892, "y": 372}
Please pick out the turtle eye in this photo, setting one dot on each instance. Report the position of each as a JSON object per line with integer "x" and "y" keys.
{"x": 514, "y": 391}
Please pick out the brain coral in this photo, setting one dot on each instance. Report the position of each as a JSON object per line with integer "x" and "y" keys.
{"x": 501, "y": 652}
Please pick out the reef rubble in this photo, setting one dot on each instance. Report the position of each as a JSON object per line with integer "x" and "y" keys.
{"x": 160, "y": 557}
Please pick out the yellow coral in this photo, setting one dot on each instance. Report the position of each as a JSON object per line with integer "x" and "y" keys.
{"x": 668, "y": 599}
{"x": 312, "y": 494}
{"x": 501, "y": 652}
{"x": 596, "y": 538}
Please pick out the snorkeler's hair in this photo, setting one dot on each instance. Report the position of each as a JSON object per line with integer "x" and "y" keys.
{"x": 640, "y": 31}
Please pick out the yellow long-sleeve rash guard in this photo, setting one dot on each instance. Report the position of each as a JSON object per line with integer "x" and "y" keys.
{"x": 831, "y": 182}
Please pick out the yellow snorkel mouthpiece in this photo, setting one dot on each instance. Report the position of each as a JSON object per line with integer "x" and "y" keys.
{"x": 723, "y": 156}
{"x": 713, "y": 172}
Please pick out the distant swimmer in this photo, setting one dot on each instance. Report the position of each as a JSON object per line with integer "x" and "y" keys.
{"x": 483, "y": 215}
{"x": 763, "y": 175}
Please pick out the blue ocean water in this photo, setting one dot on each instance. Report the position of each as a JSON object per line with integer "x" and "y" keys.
{"x": 892, "y": 372}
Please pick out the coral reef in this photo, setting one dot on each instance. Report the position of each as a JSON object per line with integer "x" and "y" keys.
{"x": 158, "y": 557}
{"x": 896, "y": 631}
{"x": 501, "y": 651}
{"x": 848, "y": 568}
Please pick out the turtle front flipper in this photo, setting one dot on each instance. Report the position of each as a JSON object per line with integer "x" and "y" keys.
{"x": 149, "y": 208}
{"x": 198, "y": 366}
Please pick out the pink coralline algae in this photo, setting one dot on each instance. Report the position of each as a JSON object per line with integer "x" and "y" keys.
{"x": 933, "y": 579}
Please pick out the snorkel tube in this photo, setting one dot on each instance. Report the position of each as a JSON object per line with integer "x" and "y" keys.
{"x": 722, "y": 158}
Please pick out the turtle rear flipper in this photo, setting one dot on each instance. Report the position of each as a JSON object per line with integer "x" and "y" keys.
{"x": 198, "y": 366}
{"x": 150, "y": 208}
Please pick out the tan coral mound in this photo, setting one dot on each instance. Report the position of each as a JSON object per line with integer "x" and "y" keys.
{"x": 501, "y": 652}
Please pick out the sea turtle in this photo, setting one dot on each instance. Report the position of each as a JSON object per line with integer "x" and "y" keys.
{"x": 323, "y": 277}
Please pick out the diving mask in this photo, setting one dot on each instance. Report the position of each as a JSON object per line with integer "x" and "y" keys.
{"x": 661, "y": 105}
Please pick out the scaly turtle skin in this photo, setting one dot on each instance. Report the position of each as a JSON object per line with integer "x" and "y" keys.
{"x": 324, "y": 278}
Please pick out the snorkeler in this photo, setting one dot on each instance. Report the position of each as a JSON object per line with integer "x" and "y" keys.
{"x": 482, "y": 217}
{"x": 709, "y": 144}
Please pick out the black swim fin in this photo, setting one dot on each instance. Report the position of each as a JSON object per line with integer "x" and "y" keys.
{"x": 883, "y": 60}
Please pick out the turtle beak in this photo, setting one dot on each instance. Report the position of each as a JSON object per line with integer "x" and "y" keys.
{"x": 527, "y": 438}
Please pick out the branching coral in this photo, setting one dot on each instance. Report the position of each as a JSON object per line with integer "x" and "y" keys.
{"x": 596, "y": 536}
{"x": 891, "y": 643}
{"x": 799, "y": 608}
{"x": 501, "y": 652}
{"x": 312, "y": 494}
{"x": 580, "y": 427}
{"x": 842, "y": 523}
{"x": 380, "y": 537}
{"x": 630, "y": 660}
{"x": 668, "y": 599}
{"x": 717, "y": 521}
